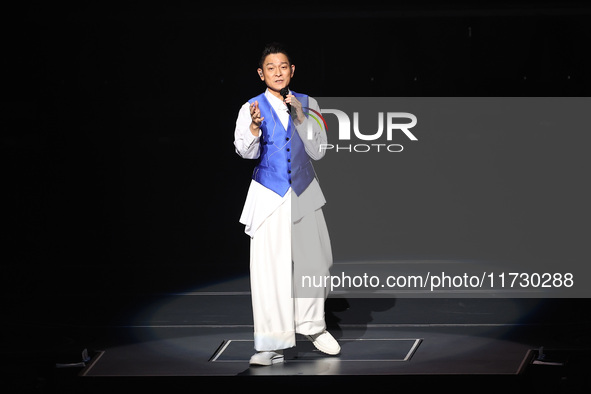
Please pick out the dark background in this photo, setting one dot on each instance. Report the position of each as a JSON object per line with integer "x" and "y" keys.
{"x": 117, "y": 121}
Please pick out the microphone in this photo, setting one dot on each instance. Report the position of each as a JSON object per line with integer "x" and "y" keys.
{"x": 284, "y": 93}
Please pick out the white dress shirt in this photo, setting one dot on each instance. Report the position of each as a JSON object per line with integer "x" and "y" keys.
{"x": 262, "y": 202}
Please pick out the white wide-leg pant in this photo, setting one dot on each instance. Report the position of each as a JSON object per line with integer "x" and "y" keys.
{"x": 280, "y": 252}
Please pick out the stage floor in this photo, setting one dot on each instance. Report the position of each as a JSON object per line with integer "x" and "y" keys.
{"x": 207, "y": 333}
{"x": 378, "y": 349}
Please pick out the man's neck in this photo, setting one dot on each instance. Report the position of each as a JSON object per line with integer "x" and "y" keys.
{"x": 275, "y": 93}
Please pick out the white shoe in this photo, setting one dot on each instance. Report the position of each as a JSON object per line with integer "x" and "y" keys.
{"x": 325, "y": 343}
{"x": 267, "y": 358}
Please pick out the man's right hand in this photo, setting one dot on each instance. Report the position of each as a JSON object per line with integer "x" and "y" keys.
{"x": 257, "y": 120}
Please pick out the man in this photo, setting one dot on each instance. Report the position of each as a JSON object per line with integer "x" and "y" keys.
{"x": 283, "y": 212}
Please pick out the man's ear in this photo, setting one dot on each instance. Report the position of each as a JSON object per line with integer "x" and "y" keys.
{"x": 292, "y": 69}
{"x": 260, "y": 71}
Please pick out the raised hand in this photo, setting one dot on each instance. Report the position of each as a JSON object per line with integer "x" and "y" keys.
{"x": 257, "y": 120}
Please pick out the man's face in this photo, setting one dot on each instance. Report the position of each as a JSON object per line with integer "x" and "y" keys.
{"x": 276, "y": 71}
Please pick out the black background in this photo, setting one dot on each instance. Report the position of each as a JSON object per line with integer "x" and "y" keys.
{"x": 117, "y": 121}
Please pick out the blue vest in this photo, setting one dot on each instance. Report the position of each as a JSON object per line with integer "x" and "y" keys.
{"x": 283, "y": 161}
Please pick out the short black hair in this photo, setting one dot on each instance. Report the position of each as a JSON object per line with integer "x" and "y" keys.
{"x": 274, "y": 47}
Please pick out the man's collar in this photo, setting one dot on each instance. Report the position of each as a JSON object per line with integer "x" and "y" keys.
{"x": 275, "y": 101}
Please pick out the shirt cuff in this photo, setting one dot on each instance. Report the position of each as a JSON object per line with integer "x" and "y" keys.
{"x": 251, "y": 139}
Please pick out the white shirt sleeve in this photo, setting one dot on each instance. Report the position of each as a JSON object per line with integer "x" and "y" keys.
{"x": 246, "y": 144}
{"x": 314, "y": 145}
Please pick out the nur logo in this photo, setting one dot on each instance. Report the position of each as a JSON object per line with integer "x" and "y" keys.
{"x": 344, "y": 133}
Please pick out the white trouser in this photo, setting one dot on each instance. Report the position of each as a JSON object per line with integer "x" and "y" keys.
{"x": 277, "y": 249}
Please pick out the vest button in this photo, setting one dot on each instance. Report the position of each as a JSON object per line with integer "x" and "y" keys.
{"x": 287, "y": 149}
{"x": 286, "y": 138}
{"x": 289, "y": 160}
{"x": 289, "y": 171}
